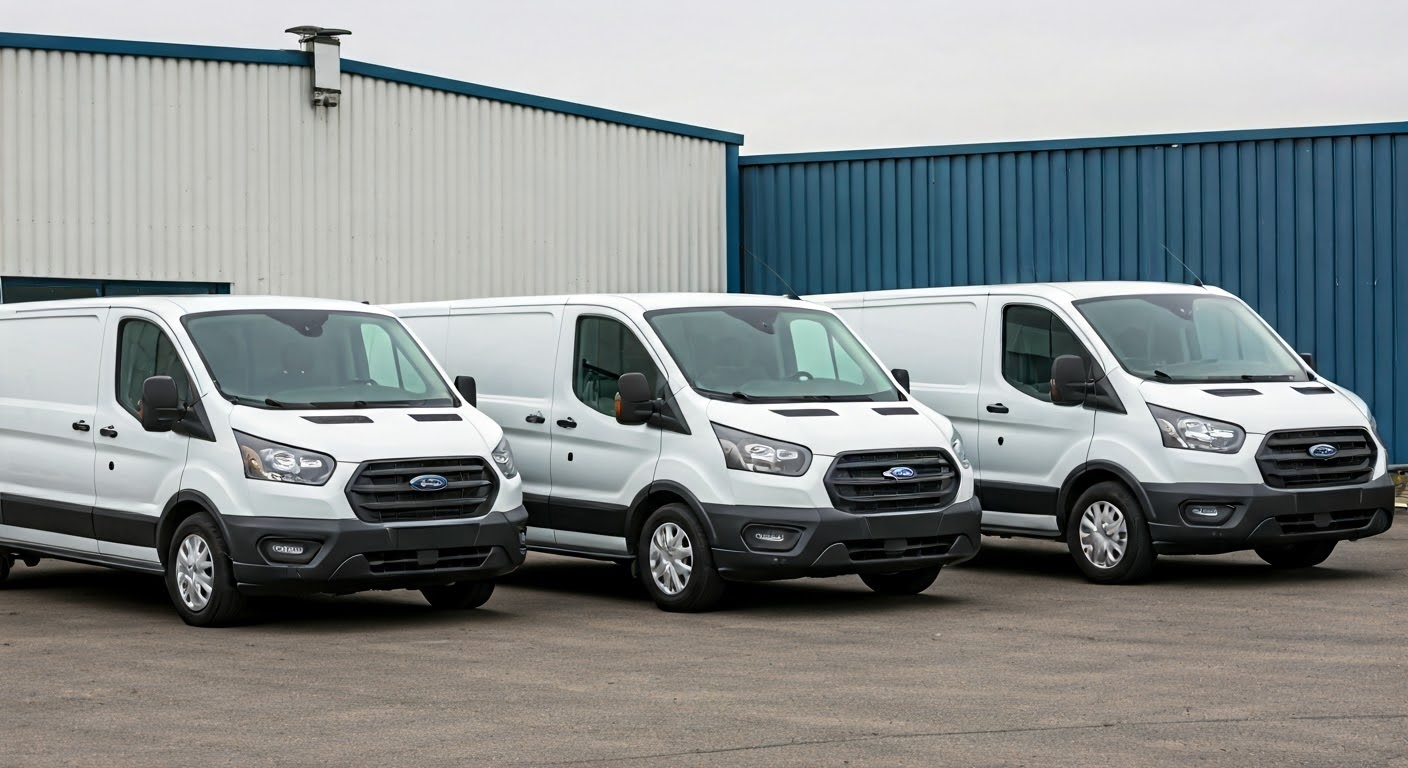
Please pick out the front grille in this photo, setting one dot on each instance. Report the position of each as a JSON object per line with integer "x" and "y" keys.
{"x": 422, "y": 561}
{"x": 857, "y": 481}
{"x": 1346, "y": 520}
{"x": 381, "y": 491}
{"x": 893, "y": 549}
{"x": 1285, "y": 459}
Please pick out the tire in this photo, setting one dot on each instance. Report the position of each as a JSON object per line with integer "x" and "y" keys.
{"x": 199, "y": 561}
{"x": 699, "y": 587}
{"x": 461, "y": 596}
{"x": 7, "y": 561}
{"x": 902, "y": 583}
{"x": 1305, "y": 554}
{"x": 1105, "y": 509}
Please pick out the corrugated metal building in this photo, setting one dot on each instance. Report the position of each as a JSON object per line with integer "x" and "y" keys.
{"x": 142, "y": 167}
{"x": 1310, "y": 226}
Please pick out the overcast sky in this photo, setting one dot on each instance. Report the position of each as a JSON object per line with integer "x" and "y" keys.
{"x": 801, "y": 75}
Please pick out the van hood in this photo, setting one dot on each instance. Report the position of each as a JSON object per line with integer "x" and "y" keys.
{"x": 831, "y": 428}
{"x": 1259, "y": 406}
{"x": 366, "y": 434}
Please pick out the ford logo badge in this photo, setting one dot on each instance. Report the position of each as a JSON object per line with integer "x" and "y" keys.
{"x": 898, "y": 473}
{"x": 1323, "y": 451}
{"x": 429, "y": 483}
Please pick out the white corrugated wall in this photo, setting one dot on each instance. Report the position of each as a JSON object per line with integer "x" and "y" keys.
{"x": 142, "y": 168}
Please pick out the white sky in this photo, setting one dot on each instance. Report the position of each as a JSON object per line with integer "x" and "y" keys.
{"x": 803, "y": 75}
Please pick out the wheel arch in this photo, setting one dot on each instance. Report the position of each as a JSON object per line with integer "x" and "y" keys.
{"x": 655, "y": 496}
{"x": 1090, "y": 474}
{"x": 182, "y": 505}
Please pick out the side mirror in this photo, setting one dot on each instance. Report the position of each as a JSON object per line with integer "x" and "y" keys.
{"x": 160, "y": 408}
{"x": 1068, "y": 380}
{"x": 1309, "y": 360}
{"x": 468, "y": 390}
{"x": 634, "y": 403}
{"x": 902, "y": 376}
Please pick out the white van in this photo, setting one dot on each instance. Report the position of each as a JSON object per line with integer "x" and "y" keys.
{"x": 752, "y": 439}
{"x": 1136, "y": 419}
{"x": 245, "y": 445}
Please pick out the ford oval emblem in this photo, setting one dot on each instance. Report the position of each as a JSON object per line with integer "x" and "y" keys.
{"x": 898, "y": 473}
{"x": 429, "y": 483}
{"x": 1323, "y": 451}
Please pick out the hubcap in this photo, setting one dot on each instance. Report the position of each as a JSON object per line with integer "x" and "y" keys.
{"x": 195, "y": 572}
{"x": 671, "y": 558}
{"x": 1104, "y": 534}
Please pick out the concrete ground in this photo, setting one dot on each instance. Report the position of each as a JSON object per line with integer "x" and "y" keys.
{"x": 1010, "y": 660}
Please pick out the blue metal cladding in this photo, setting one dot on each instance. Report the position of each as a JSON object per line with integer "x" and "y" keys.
{"x": 1309, "y": 226}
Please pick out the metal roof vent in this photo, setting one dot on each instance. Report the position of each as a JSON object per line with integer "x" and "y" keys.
{"x": 326, "y": 51}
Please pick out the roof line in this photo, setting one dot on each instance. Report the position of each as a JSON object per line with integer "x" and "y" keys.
{"x": 1206, "y": 137}
{"x": 295, "y": 58}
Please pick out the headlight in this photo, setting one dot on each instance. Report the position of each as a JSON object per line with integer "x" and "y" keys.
{"x": 752, "y": 453}
{"x": 958, "y": 451}
{"x": 264, "y": 460}
{"x": 503, "y": 459}
{"x": 1195, "y": 433}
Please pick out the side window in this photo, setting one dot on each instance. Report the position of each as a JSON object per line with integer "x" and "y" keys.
{"x": 818, "y": 353}
{"x": 605, "y": 350}
{"x": 386, "y": 365}
{"x": 144, "y": 351}
{"x": 1032, "y": 338}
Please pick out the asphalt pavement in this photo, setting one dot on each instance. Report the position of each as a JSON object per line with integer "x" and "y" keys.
{"x": 1010, "y": 660}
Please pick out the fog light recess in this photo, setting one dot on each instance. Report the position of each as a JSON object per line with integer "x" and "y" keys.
{"x": 770, "y": 538}
{"x": 1206, "y": 513}
{"x": 290, "y": 551}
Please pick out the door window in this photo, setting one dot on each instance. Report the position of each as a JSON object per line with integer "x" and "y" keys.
{"x": 143, "y": 351}
{"x": 605, "y": 349}
{"x": 1032, "y": 338}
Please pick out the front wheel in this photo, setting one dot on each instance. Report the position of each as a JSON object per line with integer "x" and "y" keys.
{"x": 7, "y": 561}
{"x": 199, "y": 576}
{"x": 459, "y": 597}
{"x": 675, "y": 563}
{"x": 1107, "y": 535}
{"x": 1303, "y": 554}
{"x": 902, "y": 583}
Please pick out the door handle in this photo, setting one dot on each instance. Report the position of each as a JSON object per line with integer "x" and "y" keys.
{"x": 79, "y": 426}
{"x": 535, "y": 418}
{"x": 108, "y": 431}
{"x": 568, "y": 423}
{"x": 997, "y": 408}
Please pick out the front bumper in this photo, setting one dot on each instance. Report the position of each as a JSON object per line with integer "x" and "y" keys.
{"x": 1264, "y": 515}
{"x": 833, "y": 543}
{"x": 355, "y": 556}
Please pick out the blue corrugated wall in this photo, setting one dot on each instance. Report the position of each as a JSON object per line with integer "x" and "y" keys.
{"x": 1309, "y": 226}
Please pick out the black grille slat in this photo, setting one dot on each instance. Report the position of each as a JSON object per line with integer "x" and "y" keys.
{"x": 380, "y": 492}
{"x": 857, "y": 483}
{"x": 409, "y": 561}
{"x": 1346, "y": 520}
{"x": 875, "y": 549}
{"x": 1285, "y": 461}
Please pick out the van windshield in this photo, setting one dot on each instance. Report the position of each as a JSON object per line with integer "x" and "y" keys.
{"x": 772, "y": 354}
{"x": 301, "y": 359}
{"x": 1187, "y": 337}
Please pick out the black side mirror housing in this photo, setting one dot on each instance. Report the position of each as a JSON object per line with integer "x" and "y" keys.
{"x": 1069, "y": 382}
{"x": 1309, "y": 360}
{"x": 902, "y": 376}
{"x": 160, "y": 408}
{"x": 634, "y": 402}
{"x": 468, "y": 389}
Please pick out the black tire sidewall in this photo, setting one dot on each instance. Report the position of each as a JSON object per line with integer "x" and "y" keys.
{"x": 226, "y": 603}
{"x": 5, "y": 565}
{"x": 1138, "y": 558}
{"x": 460, "y": 596}
{"x": 705, "y": 586}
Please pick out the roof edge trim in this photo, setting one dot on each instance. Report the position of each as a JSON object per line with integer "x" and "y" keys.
{"x": 1155, "y": 139}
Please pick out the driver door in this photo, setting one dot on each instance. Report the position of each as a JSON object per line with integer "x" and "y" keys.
{"x": 598, "y": 465}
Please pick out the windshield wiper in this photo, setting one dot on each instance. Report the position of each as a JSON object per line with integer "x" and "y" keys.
{"x": 343, "y": 404}
{"x": 1268, "y": 377}
{"x": 1158, "y": 374}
